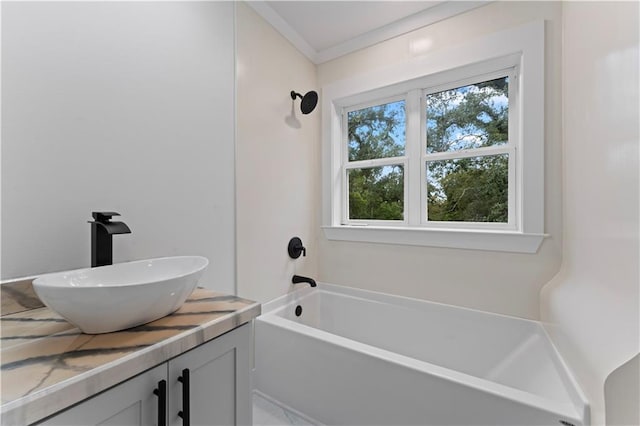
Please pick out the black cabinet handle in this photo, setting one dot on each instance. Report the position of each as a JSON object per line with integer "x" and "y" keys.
{"x": 184, "y": 379}
{"x": 161, "y": 392}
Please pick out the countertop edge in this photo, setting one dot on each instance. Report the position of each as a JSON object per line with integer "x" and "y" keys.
{"x": 42, "y": 404}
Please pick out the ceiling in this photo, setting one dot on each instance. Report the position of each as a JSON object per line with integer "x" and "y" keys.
{"x": 324, "y": 24}
{"x": 325, "y": 30}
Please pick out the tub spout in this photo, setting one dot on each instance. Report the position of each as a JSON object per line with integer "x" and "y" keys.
{"x": 300, "y": 279}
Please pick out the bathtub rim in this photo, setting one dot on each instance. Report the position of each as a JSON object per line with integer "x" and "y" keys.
{"x": 577, "y": 406}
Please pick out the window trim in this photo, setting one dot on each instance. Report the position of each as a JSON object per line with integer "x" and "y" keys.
{"x": 525, "y": 44}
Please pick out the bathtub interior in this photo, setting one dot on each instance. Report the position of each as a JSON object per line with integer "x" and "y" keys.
{"x": 510, "y": 351}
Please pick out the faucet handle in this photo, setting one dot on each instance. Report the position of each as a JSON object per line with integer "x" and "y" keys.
{"x": 296, "y": 248}
{"x": 104, "y": 216}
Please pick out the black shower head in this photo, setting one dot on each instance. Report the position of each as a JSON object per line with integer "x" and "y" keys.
{"x": 309, "y": 101}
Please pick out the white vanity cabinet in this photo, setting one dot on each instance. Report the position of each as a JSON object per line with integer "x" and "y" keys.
{"x": 208, "y": 385}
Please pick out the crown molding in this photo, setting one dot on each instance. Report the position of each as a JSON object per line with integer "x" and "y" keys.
{"x": 421, "y": 19}
{"x": 271, "y": 16}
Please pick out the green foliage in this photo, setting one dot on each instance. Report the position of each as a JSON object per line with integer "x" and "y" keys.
{"x": 376, "y": 193}
{"x": 467, "y": 117}
{"x": 376, "y": 132}
{"x": 475, "y": 190}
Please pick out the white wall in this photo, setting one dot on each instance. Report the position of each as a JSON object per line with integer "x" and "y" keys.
{"x": 622, "y": 394}
{"x": 278, "y": 165}
{"x": 592, "y": 305}
{"x": 491, "y": 281}
{"x": 125, "y": 106}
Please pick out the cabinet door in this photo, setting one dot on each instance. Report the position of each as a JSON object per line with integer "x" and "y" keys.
{"x": 130, "y": 403}
{"x": 219, "y": 383}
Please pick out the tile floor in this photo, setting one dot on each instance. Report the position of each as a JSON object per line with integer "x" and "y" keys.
{"x": 268, "y": 413}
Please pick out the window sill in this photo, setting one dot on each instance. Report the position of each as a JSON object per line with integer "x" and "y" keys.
{"x": 507, "y": 241}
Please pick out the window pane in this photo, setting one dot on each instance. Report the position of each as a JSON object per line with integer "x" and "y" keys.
{"x": 377, "y": 132}
{"x": 376, "y": 193}
{"x": 468, "y": 189}
{"x": 467, "y": 117}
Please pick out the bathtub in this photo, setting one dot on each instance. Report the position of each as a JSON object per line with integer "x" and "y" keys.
{"x": 354, "y": 357}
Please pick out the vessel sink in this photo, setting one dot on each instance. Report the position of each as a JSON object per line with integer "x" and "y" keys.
{"x": 120, "y": 296}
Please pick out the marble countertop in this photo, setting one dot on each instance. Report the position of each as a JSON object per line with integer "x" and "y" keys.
{"x": 47, "y": 364}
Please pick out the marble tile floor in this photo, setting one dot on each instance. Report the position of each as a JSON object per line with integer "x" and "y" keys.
{"x": 268, "y": 413}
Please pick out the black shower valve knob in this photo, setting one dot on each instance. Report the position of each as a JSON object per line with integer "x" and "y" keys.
{"x": 296, "y": 248}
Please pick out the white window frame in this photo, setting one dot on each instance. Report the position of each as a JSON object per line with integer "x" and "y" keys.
{"x": 521, "y": 50}
{"x": 510, "y": 149}
{"x": 378, "y": 162}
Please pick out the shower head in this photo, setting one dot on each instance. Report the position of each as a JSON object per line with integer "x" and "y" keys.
{"x": 309, "y": 101}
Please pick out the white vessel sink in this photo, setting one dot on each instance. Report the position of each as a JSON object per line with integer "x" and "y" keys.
{"x": 124, "y": 295}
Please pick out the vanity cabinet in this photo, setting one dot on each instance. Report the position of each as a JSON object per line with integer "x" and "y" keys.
{"x": 208, "y": 385}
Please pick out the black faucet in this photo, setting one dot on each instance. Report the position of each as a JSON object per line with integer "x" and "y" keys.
{"x": 102, "y": 230}
{"x": 300, "y": 279}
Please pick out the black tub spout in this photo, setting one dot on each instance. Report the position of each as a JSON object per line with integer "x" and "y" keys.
{"x": 300, "y": 279}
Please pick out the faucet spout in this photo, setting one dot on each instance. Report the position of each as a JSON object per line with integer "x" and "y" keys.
{"x": 102, "y": 230}
{"x": 300, "y": 279}
{"x": 114, "y": 228}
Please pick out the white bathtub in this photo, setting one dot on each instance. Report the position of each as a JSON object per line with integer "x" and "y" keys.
{"x": 355, "y": 357}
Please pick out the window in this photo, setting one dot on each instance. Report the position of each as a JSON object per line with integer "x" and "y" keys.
{"x": 470, "y": 152}
{"x": 375, "y": 140}
{"x": 451, "y": 156}
{"x": 465, "y": 146}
